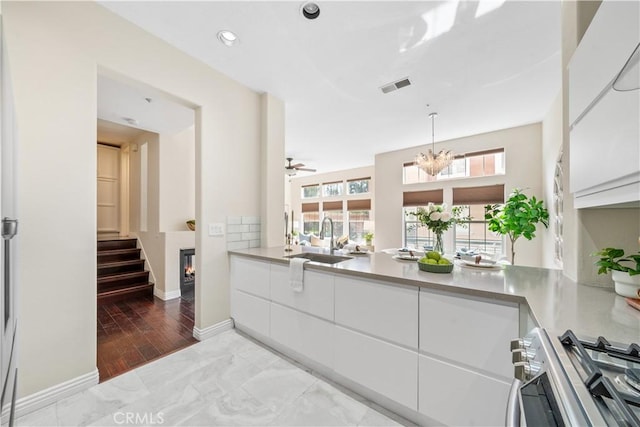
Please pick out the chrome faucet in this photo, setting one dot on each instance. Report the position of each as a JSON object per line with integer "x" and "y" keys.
{"x": 323, "y": 231}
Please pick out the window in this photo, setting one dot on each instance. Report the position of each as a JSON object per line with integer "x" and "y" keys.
{"x": 334, "y": 211}
{"x": 332, "y": 189}
{"x": 476, "y": 234}
{"x": 558, "y": 207}
{"x": 311, "y": 191}
{"x": 484, "y": 163}
{"x": 311, "y": 218}
{"x": 359, "y": 219}
{"x": 414, "y": 234}
{"x": 358, "y": 186}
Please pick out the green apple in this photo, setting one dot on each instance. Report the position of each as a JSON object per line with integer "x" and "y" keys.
{"x": 433, "y": 255}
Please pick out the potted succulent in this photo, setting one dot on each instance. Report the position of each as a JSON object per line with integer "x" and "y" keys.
{"x": 625, "y": 270}
{"x": 368, "y": 238}
{"x": 517, "y": 217}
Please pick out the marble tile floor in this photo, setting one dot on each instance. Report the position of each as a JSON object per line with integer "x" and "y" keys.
{"x": 227, "y": 380}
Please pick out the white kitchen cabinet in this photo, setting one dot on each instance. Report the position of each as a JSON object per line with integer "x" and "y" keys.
{"x": 304, "y": 334}
{"x": 385, "y": 311}
{"x": 250, "y": 275}
{"x": 605, "y": 130}
{"x": 604, "y": 49}
{"x": 472, "y": 332}
{"x": 316, "y": 297}
{"x": 458, "y": 397}
{"x": 378, "y": 365}
{"x": 250, "y": 312}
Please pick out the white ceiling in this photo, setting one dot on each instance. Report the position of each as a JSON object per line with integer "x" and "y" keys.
{"x": 482, "y": 66}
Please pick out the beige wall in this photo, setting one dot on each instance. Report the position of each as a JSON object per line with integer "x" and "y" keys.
{"x": 56, "y": 50}
{"x": 177, "y": 179}
{"x": 271, "y": 170}
{"x": 523, "y": 155}
{"x": 551, "y": 148}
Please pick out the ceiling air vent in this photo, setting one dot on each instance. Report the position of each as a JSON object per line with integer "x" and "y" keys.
{"x": 395, "y": 85}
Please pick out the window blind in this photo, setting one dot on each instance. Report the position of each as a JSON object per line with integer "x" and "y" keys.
{"x": 479, "y": 195}
{"x": 421, "y": 198}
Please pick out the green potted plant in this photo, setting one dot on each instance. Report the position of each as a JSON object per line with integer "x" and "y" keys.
{"x": 368, "y": 238}
{"x": 625, "y": 270}
{"x": 517, "y": 217}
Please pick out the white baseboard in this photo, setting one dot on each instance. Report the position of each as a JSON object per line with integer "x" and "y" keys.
{"x": 213, "y": 330}
{"x": 46, "y": 397}
{"x": 166, "y": 295}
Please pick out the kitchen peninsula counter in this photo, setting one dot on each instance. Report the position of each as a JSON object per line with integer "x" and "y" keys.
{"x": 555, "y": 302}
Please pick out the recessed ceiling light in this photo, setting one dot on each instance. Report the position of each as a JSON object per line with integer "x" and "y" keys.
{"x": 227, "y": 38}
{"x": 310, "y": 10}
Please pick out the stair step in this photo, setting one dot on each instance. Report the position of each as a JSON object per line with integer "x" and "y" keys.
{"x": 112, "y": 244}
{"x": 110, "y": 256}
{"x": 119, "y": 267}
{"x": 122, "y": 280}
{"x": 141, "y": 290}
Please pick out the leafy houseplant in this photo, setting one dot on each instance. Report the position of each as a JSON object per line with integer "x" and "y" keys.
{"x": 368, "y": 238}
{"x": 624, "y": 273}
{"x": 611, "y": 259}
{"x": 437, "y": 219}
{"x": 517, "y": 217}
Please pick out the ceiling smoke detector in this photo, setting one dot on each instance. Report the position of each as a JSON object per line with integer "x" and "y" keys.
{"x": 395, "y": 85}
{"x": 227, "y": 38}
{"x": 310, "y": 10}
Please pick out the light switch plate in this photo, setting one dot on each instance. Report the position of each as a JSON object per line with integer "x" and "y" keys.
{"x": 216, "y": 229}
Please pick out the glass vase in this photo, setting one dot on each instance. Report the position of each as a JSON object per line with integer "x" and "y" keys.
{"x": 438, "y": 246}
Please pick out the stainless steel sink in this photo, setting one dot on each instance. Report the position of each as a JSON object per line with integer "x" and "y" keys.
{"x": 322, "y": 258}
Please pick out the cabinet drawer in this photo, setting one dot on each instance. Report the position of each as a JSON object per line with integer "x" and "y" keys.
{"x": 316, "y": 297}
{"x": 250, "y": 276}
{"x": 385, "y": 311}
{"x": 250, "y": 311}
{"x": 473, "y": 332}
{"x": 458, "y": 397}
{"x": 304, "y": 334}
{"x": 380, "y": 366}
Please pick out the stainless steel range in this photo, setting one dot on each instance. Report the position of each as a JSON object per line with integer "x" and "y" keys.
{"x": 568, "y": 381}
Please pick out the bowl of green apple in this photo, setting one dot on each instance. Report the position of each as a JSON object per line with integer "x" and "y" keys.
{"x": 433, "y": 262}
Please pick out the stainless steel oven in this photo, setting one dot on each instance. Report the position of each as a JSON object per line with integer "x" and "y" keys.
{"x": 565, "y": 381}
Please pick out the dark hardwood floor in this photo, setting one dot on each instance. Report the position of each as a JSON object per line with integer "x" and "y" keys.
{"x": 132, "y": 333}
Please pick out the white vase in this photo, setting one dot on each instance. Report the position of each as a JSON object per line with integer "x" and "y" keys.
{"x": 627, "y": 286}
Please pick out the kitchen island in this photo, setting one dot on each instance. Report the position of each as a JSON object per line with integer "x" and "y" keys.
{"x": 433, "y": 348}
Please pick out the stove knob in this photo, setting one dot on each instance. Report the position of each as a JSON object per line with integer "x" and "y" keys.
{"x": 519, "y": 370}
{"x": 520, "y": 343}
{"x": 518, "y": 355}
{"x": 534, "y": 368}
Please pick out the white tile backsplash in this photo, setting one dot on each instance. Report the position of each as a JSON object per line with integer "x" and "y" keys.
{"x": 243, "y": 232}
{"x": 251, "y": 220}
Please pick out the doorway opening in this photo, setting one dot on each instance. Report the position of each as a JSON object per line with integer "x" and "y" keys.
{"x": 145, "y": 195}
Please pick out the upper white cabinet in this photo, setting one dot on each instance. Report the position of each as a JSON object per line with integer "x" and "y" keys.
{"x": 605, "y": 128}
{"x": 385, "y": 311}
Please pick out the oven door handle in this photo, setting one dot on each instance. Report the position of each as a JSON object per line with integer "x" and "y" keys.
{"x": 512, "y": 418}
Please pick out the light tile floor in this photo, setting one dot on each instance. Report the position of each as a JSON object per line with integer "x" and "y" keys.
{"x": 226, "y": 380}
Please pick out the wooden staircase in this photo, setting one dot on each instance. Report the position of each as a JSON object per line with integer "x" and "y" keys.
{"x": 121, "y": 273}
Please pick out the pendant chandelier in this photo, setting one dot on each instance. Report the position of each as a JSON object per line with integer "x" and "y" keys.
{"x": 430, "y": 162}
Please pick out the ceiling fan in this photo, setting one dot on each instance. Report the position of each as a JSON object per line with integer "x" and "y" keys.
{"x": 292, "y": 169}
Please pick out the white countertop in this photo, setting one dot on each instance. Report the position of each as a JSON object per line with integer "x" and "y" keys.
{"x": 556, "y": 302}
